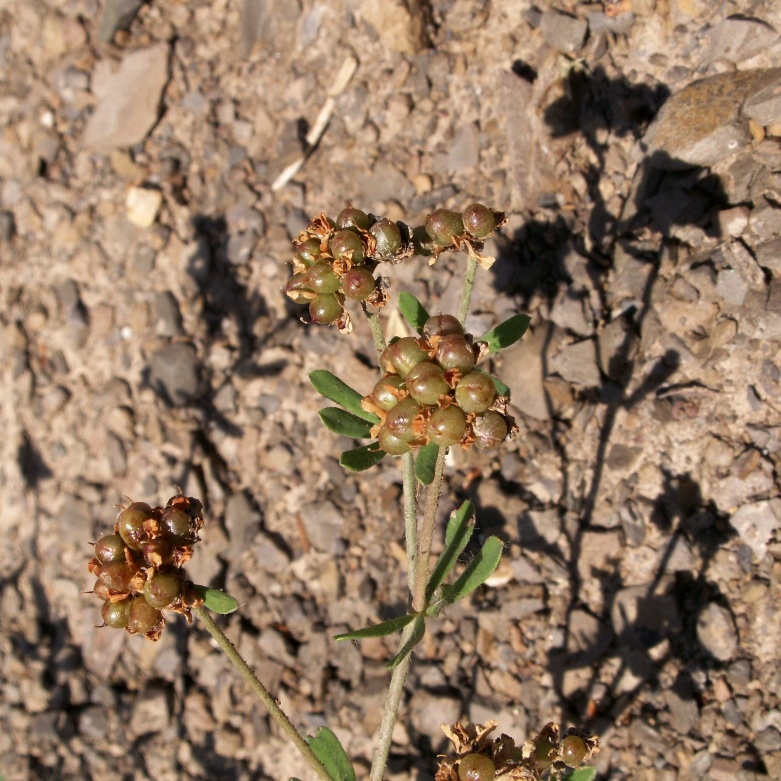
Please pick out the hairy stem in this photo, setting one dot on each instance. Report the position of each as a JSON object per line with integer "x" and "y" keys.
{"x": 427, "y": 533}
{"x": 391, "y": 711}
{"x": 262, "y": 692}
{"x": 410, "y": 518}
{"x": 466, "y": 295}
{"x": 377, "y": 335}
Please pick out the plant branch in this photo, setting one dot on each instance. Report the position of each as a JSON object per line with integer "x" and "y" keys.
{"x": 410, "y": 518}
{"x": 376, "y": 328}
{"x": 262, "y": 692}
{"x": 391, "y": 711}
{"x": 427, "y": 533}
{"x": 466, "y": 295}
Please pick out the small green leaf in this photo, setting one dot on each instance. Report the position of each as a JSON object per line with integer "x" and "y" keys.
{"x": 345, "y": 423}
{"x": 330, "y": 386}
{"x": 215, "y": 600}
{"x": 362, "y": 458}
{"x": 379, "y": 630}
{"x": 425, "y": 463}
{"x": 478, "y": 571}
{"x": 457, "y": 535}
{"x": 413, "y": 311}
{"x": 506, "y": 333}
{"x": 587, "y": 773}
{"x": 501, "y": 388}
{"x": 418, "y": 630}
{"x": 327, "y": 748}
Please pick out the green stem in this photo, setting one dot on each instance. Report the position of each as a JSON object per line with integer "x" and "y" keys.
{"x": 377, "y": 335}
{"x": 410, "y": 518}
{"x": 466, "y": 295}
{"x": 427, "y": 533}
{"x": 262, "y": 692}
{"x": 391, "y": 712}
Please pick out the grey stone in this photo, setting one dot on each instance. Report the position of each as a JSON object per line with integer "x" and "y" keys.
{"x": 242, "y": 522}
{"x": 151, "y": 711}
{"x": 589, "y": 638}
{"x": 240, "y": 246}
{"x": 768, "y": 255}
{"x": 731, "y": 287}
{"x": 563, "y": 32}
{"x": 716, "y": 631}
{"x": 117, "y": 15}
{"x": 428, "y": 710}
{"x": 737, "y": 38}
{"x": 539, "y": 528}
{"x": 386, "y": 182}
{"x": 763, "y": 105}
{"x": 577, "y": 363}
{"x": 323, "y": 524}
{"x": 756, "y": 524}
{"x": 523, "y": 372}
{"x": 174, "y": 373}
{"x": 166, "y": 315}
{"x": 684, "y": 711}
{"x": 567, "y": 312}
{"x": 644, "y": 619}
{"x": 128, "y": 98}
{"x": 268, "y": 23}
{"x": 7, "y": 227}
{"x": 464, "y": 151}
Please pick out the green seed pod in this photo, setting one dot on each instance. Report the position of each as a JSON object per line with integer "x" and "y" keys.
{"x": 476, "y": 767}
{"x": 443, "y": 226}
{"x": 479, "y": 220}
{"x": 386, "y": 393}
{"x": 446, "y": 425}
{"x": 143, "y": 618}
{"x": 298, "y": 290}
{"x": 403, "y": 355}
{"x": 110, "y": 548}
{"x": 162, "y": 589}
{"x": 116, "y": 575}
{"x": 426, "y": 383}
{"x": 116, "y": 614}
{"x": 358, "y": 283}
{"x": 352, "y": 218}
{"x": 159, "y": 552}
{"x": 401, "y": 419}
{"x": 391, "y": 444}
{"x": 442, "y": 325}
{"x": 308, "y": 252}
{"x": 572, "y": 750}
{"x": 175, "y": 523}
{"x": 322, "y": 278}
{"x": 325, "y": 309}
{"x": 347, "y": 244}
{"x": 475, "y": 392}
{"x": 454, "y": 352}
{"x": 490, "y": 429}
{"x": 388, "y": 238}
{"x": 130, "y": 524}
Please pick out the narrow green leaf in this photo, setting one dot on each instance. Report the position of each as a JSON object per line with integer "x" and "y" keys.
{"x": 478, "y": 571}
{"x": 413, "y": 311}
{"x": 327, "y": 748}
{"x": 457, "y": 535}
{"x": 501, "y": 388}
{"x": 425, "y": 462}
{"x": 330, "y": 386}
{"x": 418, "y": 630}
{"x": 506, "y": 333}
{"x": 587, "y": 773}
{"x": 215, "y": 600}
{"x": 379, "y": 630}
{"x": 362, "y": 458}
{"x": 345, "y": 423}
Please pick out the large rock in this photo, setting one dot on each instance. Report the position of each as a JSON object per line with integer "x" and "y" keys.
{"x": 128, "y": 98}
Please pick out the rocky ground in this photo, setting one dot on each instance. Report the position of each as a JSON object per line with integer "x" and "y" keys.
{"x": 146, "y": 212}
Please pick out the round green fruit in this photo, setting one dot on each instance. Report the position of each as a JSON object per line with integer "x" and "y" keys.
{"x": 475, "y": 392}
{"x": 116, "y": 614}
{"x": 443, "y": 226}
{"x": 479, "y": 220}
{"x": 490, "y": 429}
{"x": 476, "y": 767}
{"x": 325, "y": 309}
{"x": 446, "y": 425}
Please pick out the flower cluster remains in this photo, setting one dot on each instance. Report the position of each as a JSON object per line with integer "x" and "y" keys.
{"x": 139, "y": 567}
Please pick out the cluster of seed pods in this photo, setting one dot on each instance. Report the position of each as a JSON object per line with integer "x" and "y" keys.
{"x": 335, "y": 260}
{"x": 139, "y": 567}
{"x": 432, "y": 392}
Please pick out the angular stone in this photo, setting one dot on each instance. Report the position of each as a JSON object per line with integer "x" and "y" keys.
{"x": 399, "y": 25}
{"x": 142, "y": 205}
{"x": 563, "y": 32}
{"x": 756, "y": 523}
{"x": 763, "y": 104}
{"x": 716, "y": 631}
{"x": 128, "y": 98}
{"x": 117, "y": 15}
{"x": 578, "y": 363}
{"x": 174, "y": 373}
{"x": 737, "y": 38}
